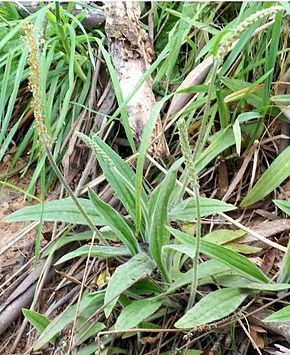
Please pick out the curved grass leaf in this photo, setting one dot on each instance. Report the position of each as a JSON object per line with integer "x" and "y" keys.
{"x": 215, "y": 306}
{"x": 227, "y": 256}
{"x": 277, "y": 172}
{"x": 136, "y": 312}
{"x": 116, "y": 222}
{"x": 58, "y": 211}
{"x": 124, "y": 276}
{"x": 95, "y": 251}
{"x": 280, "y": 316}
{"x": 186, "y": 210}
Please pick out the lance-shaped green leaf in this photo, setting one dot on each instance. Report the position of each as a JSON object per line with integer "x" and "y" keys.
{"x": 147, "y": 134}
{"x": 238, "y": 281}
{"x": 205, "y": 270}
{"x": 58, "y": 211}
{"x": 215, "y": 306}
{"x": 136, "y": 312}
{"x": 277, "y": 172}
{"x": 284, "y": 274}
{"x": 220, "y": 141}
{"x": 186, "y": 210}
{"x": 223, "y": 236}
{"x": 37, "y": 320}
{"x": 158, "y": 235}
{"x": 100, "y": 251}
{"x": 227, "y": 256}
{"x": 282, "y": 316}
{"x": 116, "y": 222}
{"x": 125, "y": 276}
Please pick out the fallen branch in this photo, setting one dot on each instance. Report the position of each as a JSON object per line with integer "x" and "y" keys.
{"x": 131, "y": 54}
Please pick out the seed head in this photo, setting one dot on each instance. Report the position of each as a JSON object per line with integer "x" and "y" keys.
{"x": 34, "y": 81}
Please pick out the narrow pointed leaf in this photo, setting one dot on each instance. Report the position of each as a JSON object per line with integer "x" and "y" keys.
{"x": 117, "y": 173}
{"x": 95, "y": 251}
{"x": 282, "y": 316}
{"x": 283, "y": 205}
{"x": 116, "y": 222}
{"x": 239, "y": 281}
{"x": 63, "y": 319}
{"x": 205, "y": 270}
{"x": 186, "y": 210}
{"x": 58, "y": 211}
{"x": 37, "y": 320}
{"x": 222, "y": 236}
{"x": 158, "y": 234}
{"x": 220, "y": 141}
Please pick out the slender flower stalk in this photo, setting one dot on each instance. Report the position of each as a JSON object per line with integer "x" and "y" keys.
{"x": 186, "y": 152}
